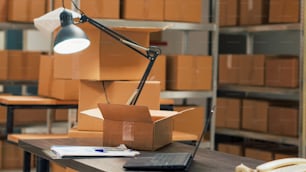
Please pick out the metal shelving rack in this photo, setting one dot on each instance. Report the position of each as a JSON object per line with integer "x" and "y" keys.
{"x": 297, "y": 95}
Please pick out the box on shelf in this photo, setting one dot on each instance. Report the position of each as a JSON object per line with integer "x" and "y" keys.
{"x": 64, "y": 89}
{"x": 158, "y": 71}
{"x": 3, "y": 10}
{"x": 228, "y": 15}
{"x": 283, "y": 121}
{"x": 255, "y": 115}
{"x": 94, "y": 8}
{"x": 11, "y": 157}
{"x": 253, "y": 12}
{"x": 106, "y": 58}
{"x": 228, "y": 68}
{"x": 282, "y": 72}
{"x": 19, "y": 65}
{"x": 228, "y": 113}
{"x": 284, "y": 11}
{"x": 143, "y": 9}
{"x": 251, "y": 70}
{"x": 192, "y": 121}
{"x": 113, "y": 92}
{"x": 136, "y": 126}
{"x": 231, "y": 148}
{"x": 186, "y": 72}
{"x": 260, "y": 154}
{"x": 26, "y": 10}
{"x": 183, "y": 11}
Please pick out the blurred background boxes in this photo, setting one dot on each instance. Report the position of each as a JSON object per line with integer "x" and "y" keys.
{"x": 228, "y": 13}
{"x": 187, "y": 72}
{"x": 3, "y": 10}
{"x": 158, "y": 72}
{"x": 183, "y": 11}
{"x": 143, "y": 9}
{"x": 284, "y": 11}
{"x": 26, "y": 10}
{"x": 64, "y": 89}
{"x": 253, "y": 12}
{"x": 228, "y": 113}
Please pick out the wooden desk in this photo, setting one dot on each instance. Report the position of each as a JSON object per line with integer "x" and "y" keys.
{"x": 205, "y": 160}
{"x": 25, "y": 102}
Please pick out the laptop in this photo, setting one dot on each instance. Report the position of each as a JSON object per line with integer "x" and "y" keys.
{"x": 179, "y": 161}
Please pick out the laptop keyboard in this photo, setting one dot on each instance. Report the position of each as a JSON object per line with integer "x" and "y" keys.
{"x": 164, "y": 159}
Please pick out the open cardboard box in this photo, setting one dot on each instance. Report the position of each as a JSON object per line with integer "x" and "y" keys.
{"x": 135, "y": 126}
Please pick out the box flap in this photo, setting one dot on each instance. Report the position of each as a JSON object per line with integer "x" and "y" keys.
{"x": 120, "y": 112}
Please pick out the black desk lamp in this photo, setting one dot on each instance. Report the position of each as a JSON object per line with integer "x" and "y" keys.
{"x": 71, "y": 39}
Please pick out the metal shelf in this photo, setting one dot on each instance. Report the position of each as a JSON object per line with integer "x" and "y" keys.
{"x": 186, "y": 94}
{"x": 17, "y": 26}
{"x": 260, "y": 92}
{"x": 157, "y": 24}
{"x": 260, "y": 28}
{"x": 258, "y": 136}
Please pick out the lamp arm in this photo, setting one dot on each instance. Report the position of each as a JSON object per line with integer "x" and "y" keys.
{"x": 150, "y": 53}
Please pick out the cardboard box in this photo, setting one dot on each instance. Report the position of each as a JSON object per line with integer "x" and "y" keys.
{"x": 93, "y": 8}
{"x": 26, "y": 10}
{"x": 259, "y": 154}
{"x": 158, "y": 71}
{"x": 186, "y": 72}
{"x": 75, "y": 133}
{"x": 192, "y": 121}
{"x": 23, "y": 65}
{"x": 251, "y": 70}
{"x": 136, "y": 126}
{"x": 282, "y": 72}
{"x": 143, "y": 9}
{"x": 113, "y": 92}
{"x": 64, "y": 89}
{"x": 255, "y": 115}
{"x": 183, "y": 11}
{"x": 3, "y": 10}
{"x": 3, "y": 65}
{"x": 228, "y": 113}
{"x": 228, "y": 13}
{"x": 284, "y": 11}
{"x": 283, "y": 121}
{"x": 229, "y": 69}
{"x": 231, "y": 148}
{"x": 106, "y": 58}
{"x": 253, "y": 12}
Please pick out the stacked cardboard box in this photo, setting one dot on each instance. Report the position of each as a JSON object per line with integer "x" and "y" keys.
{"x": 3, "y": 10}
{"x": 19, "y": 65}
{"x": 284, "y": 11}
{"x": 228, "y": 15}
{"x": 228, "y": 113}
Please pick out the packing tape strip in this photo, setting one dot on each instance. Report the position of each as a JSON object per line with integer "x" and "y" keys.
{"x": 128, "y": 131}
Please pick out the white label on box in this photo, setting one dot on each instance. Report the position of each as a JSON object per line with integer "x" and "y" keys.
{"x": 128, "y": 131}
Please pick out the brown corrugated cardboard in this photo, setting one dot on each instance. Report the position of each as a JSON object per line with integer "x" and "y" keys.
{"x": 253, "y": 12}
{"x": 136, "y": 126}
{"x": 255, "y": 115}
{"x": 259, "y": 154}
{"x": 75, "y": 133}
{"x": 229, "y": 68}
{"x": 106, "y": 58}
{"x": 186, "y": 72}
{"x": 191, "y": 121}
{"x": 184, "y": 11}
{"x": 231, "y": 148}
{"x": 23, "y": 65}
{"x": 3, "y": 10}
{"x": 284, "y": 11}
{"x": 228, "y": 15}
{"x": 26, "y": 10}
{"x": 158, "y": 71}
{"x": 3, "y": 65}
{"x": 143, "y": 9}
{"x": 283, "y": 121}
{"x": 114, "y": 92}
{"x": 251, "y": 70}
{"x": 64, "y": 89}
{"x": 228, "y": 113}
{"x": 282, "y": 72}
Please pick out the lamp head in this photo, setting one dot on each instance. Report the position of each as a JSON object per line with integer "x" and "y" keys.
{"x": 70, "y": 39}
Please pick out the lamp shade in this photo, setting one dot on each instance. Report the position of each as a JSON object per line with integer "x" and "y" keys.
{"x": 70, "y": 39}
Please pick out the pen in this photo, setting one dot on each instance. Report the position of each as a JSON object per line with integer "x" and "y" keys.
{"x": 99, "y": 150}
